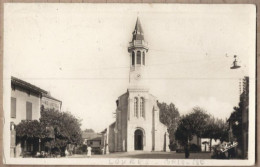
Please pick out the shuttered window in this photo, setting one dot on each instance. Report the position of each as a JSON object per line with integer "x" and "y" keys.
{"x": 28, "y": 111}
{"x": 13, "y": 107}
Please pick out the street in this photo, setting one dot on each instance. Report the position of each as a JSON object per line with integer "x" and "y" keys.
{"x": 147, "y": 155}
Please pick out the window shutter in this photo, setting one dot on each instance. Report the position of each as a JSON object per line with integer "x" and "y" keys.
{"x": 13, "y": 107}
{"x": 28, "y": 111}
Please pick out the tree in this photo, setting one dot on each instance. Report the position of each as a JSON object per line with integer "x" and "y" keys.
{"x": 89, "y": 131}
{"x": 169, "y": 115}
{"x": 235, "y": 120}
{"x": 191, "y": 124}
{"x": 215, "y": 129}
{"x": 30, "y": 129}
{"x": 66, "y": 128}
{"x": 55, "y": 129}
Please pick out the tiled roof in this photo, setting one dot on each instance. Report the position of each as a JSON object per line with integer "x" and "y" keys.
{"x": 90, "y": 135}
{"x": 26, "y": 85}
{"x": 50, "y": 97}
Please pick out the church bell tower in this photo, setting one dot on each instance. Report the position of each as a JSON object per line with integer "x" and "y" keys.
{"x": 138, "y": 49}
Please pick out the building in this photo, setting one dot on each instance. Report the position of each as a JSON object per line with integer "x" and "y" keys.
{"x": 137, "y": 125}
{"x": 49, "y": 102}
{"x": 88, "y": 136}
{"x": 239, "y": 120}
{"x": 26, "y": 100}
{"x": 94, "y": 140}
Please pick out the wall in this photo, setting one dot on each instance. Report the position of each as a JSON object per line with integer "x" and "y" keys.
{"x": 21, "y": 98}
{"x": 50, "y": 103}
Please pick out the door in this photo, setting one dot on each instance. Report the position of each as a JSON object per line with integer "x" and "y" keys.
{"x": 138, "y": 140}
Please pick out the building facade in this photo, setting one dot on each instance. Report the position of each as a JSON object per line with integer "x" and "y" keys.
{"x": 137, "y": 125}
{"x": 26, "y": 101}
{"x": 49, "y": 102}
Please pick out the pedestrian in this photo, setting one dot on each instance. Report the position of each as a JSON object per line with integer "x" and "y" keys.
{"x": 186, "y": 150}
{"x": 89, "y": 151}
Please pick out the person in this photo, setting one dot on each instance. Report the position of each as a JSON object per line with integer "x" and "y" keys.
{"x": 89, "y": 151}
{"x": 66, "y": 153}
{"x": 18, "y": 150}
{"x": 186, "y": 150}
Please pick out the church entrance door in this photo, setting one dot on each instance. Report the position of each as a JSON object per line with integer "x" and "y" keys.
{"x": 138, "y": 140}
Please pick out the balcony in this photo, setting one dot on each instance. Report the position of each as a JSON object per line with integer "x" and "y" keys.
{"x": 138, "y": 44}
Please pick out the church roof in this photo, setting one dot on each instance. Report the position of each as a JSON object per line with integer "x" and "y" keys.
{"x": 138, "y": 33}
{"x": 138, "y": 26}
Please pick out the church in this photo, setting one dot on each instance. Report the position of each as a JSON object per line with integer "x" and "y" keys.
{"x": 137, "y": 125}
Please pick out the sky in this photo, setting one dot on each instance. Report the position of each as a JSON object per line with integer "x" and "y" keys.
{"x": 78, "y": 52}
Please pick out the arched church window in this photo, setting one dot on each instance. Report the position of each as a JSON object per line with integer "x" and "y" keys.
{"x": 138, "y": 57}
{"x": 136, "y": 107}
{"x": 142, "y": 107}
{"x": 143, "y": 58}
{"x": 133, "y": 58}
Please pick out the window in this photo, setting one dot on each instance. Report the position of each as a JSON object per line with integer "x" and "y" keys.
{"x": 133, "y": 58}
{"x": 28, "y": 111}
{"x": 13, "y": 107}
{"x": 142, "y": 107}
{"x": 136, "y": 107}
{"x": 143, "y": 58}
{"x": 138, "y": 57}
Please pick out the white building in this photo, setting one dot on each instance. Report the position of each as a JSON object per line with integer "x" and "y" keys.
{"x": 26, "y": 101}
{"x": 137, "y": 125}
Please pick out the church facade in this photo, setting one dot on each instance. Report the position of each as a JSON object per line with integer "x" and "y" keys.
{"x": 137, "y": 125}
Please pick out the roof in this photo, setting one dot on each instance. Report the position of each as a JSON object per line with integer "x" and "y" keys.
{"x": 26, "y": 85}
{"x": 50, "y": 97}
{"x": 138, "y": 33}
{"x": 90, "y": 135}
{"x": 138, "y": 26}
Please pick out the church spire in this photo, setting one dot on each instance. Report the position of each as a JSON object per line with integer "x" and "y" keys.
{"x": 138, "y": 33}
{"x": 137, "y": 49}
{"x": 138, "y": 41}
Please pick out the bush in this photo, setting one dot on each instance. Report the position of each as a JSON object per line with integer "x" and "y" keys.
{"x": 195, "y": 148}
{"x": 173, "y": 146}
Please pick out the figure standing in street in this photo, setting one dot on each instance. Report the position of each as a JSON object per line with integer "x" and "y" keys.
{"x": 186, "y": 150}
{"x": 89, "y": 151}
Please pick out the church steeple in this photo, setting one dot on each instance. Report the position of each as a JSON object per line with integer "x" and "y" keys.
{"x": 138, "y": 49}
{"x": 138, "y": 33}
{"x": 138, "y": 46}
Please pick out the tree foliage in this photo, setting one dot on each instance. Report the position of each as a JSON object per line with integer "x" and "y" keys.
{"x": 89, "y": 131}
{"x": 216, "y": 129}
{"x": 201, "y": 124}
{"x": 235, "y": 119}
{"x": 191, "y": 124}
{"x": 56, "y": 129}
{"x": 66, "y": 126}
{"x": 169, "y": 115}
{"x": 30, "y": 129}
